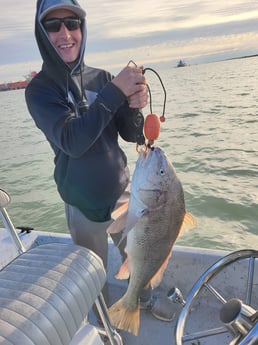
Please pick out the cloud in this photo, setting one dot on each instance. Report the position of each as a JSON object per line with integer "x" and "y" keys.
{"x": 196, "y": 30}
{"x": 148, "y": 17}
{"x": 168, "y": 31}
{"x": 169, "y": 52}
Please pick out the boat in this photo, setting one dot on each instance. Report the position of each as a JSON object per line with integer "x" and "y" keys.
{"x": 17, "y": 85}
{"x": 48, "y": 286}
{"x": 181, "y": 63}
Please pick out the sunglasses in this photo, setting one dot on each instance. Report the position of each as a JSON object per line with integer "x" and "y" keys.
{"x": 54, "y": 24}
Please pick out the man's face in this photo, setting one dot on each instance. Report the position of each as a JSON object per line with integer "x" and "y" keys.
{"x": 67, "y": 42}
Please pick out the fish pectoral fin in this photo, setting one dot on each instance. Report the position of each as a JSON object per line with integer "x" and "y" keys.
{"x": 120, "y": 218}
{"x": 189, "y": 222}
{"x": 157, "y": 278}
{"x": 120, "y": 210}
{"x": 124, "y": 220}
{"x": 124, "y": 272}
{"x": 130, "y": 222}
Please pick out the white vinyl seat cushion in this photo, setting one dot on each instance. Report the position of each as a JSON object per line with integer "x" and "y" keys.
{"x": 46, "y": 294}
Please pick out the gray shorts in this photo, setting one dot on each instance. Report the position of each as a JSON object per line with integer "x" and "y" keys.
{"x": 87, "y": 233}
{"x": 93, "y": 235}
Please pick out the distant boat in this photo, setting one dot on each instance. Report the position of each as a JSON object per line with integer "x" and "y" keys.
{"x": 16, "y": 85}
{"x": 181, "y": 63}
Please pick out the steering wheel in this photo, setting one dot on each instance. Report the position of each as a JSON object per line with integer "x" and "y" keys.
{"x": 209, "y": 288}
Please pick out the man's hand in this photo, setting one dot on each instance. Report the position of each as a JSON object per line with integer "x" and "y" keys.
{"x": 132, "y": 83}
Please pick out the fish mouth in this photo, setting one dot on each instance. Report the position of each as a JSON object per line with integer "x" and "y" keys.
{"x": 145, "y": 153}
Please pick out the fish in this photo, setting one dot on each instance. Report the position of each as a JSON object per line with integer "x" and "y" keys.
{"x": 152, "y": 221}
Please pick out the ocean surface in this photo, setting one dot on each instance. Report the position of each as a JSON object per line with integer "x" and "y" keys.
{"x": 210, "y": 135}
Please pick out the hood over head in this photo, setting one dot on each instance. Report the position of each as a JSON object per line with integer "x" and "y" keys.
{"x": 53, "y": 64}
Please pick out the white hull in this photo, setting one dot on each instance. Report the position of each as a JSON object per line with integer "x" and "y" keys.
{"x": 186, "y": 265}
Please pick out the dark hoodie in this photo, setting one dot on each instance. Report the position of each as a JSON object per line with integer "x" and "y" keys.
{"x": 81, "y": 114}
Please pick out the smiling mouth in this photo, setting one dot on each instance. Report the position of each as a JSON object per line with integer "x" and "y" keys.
{"x": 66, "y": 46}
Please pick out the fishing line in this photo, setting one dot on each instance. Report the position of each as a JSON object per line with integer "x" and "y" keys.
{"x": 162, "y": 118}
{"x": 152, "y": 121}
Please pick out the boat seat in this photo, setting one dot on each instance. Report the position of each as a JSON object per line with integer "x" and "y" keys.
{"x": 47, "y": 292}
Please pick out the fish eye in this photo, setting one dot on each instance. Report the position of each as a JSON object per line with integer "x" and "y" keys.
{"x": 162, "y": 172}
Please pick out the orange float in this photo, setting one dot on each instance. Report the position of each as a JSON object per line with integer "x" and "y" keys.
{"x": 152, "y": 127}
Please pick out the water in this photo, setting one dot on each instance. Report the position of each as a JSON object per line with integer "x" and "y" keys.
{"x": 210, "y": 135}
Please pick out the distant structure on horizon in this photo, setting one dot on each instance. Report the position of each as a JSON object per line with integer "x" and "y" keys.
{"x": 16, "y": 85}
{"x": 181, "y": 63}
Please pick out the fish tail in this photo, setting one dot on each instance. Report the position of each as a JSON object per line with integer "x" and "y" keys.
{"x": 123, "y": 318}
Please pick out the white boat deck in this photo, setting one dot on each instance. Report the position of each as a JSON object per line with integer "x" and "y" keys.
{"x": 185, "y": 267}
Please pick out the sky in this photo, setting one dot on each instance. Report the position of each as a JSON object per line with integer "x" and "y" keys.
{"x": 149, "y": 32}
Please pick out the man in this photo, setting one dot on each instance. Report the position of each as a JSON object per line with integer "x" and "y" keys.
{"x": 82, "y": 110}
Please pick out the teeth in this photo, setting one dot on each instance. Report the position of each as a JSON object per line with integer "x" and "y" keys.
{"x": 65, "y": 46}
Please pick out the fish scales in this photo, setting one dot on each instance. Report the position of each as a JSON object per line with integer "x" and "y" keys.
{"x": 155, "y": 216}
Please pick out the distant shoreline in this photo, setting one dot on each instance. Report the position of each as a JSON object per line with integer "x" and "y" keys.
{"x": 23, "y": 83}
{"x": 240, "y": 57}
{"x": 215, "y": 61}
